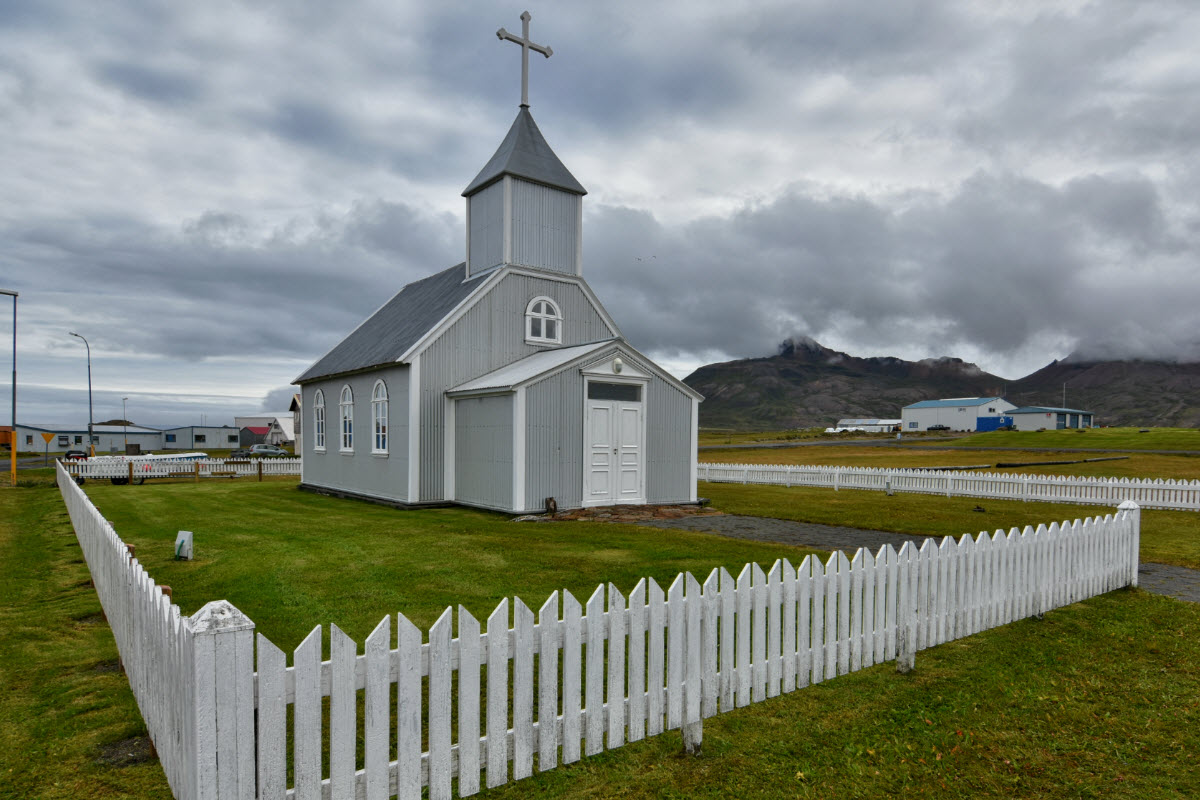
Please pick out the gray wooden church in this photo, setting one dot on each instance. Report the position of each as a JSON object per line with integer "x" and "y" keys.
{"x": 501, "y": 381}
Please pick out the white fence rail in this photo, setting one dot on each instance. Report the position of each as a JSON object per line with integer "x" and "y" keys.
{"x": 138, "y": 470}
{"x": 1169, "y": 494}
{"x": 534, "y": 691}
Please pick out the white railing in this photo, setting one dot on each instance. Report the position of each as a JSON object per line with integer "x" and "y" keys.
{"x": 1169, "y": 494}
{"x": 156, "y": 644}
{"x": 138, "y": 469}
{"x": 631, "y": 666}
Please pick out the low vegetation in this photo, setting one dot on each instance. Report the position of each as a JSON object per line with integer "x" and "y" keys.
{"x": 1093, "y": 438}
{"x": 1026, "y": 710}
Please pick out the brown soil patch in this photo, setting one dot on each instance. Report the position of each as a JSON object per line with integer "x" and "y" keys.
{"x": 625, "y": 514}
{"x": 126, "y": 752}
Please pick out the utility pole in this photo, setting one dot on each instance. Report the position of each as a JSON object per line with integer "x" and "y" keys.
{"x": 124, "y": 424}
{"x": 91, "y": 437}
{"x": 12, "y": 442}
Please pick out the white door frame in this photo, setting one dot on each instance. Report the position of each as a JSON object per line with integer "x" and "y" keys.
{"x": 643, "y": 383}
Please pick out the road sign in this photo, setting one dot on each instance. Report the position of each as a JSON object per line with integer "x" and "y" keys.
{"x": 47, "y": 437}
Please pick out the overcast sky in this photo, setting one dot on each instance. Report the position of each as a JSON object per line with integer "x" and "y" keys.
{"x": 214, "y": 194}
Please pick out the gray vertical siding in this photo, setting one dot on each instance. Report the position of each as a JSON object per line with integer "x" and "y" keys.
{"x": 554, "y": 441}
{"x": 668, "y": 443}
{"x": 483, "y": 451}
{"x": 487, "y": 337}
{"x": 545, "y": 227}
{"x": 363, "y": 471}
{"x": 486, "y": 248}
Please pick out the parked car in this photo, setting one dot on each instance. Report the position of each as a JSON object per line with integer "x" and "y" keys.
{"x": 268, "y": 451}
{"x": 938, "y": 428}
{"x": 240, "y": 453}
{"x": 75, "y": 455}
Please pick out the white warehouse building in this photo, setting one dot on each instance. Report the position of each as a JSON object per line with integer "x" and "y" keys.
{"x": 958, "y": 414}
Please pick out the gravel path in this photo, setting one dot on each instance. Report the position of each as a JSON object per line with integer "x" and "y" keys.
{"x": 1178, "y": 582}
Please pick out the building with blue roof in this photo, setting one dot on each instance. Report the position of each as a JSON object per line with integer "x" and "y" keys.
{"x": 958, "y": 414}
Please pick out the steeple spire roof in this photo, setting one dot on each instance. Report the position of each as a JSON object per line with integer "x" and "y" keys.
{"x": 525, "y": 154}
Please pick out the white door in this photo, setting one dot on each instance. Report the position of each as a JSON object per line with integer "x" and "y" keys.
{"x": 615, "y": 433}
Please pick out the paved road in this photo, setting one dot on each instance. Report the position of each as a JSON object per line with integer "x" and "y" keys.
{"x": 1177, "y": 582}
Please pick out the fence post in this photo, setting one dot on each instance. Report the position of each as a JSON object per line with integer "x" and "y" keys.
{"x": 260, "y": 470}
{"x": 222, "y": 677}
{"x": 836, "y": 475}
{"x": 196, "y": 471}
{"x": 1135, "y": 518}
{"x": 130, "y": 469}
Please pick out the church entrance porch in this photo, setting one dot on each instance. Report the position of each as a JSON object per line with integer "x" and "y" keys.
{"x": 615, "y": 430}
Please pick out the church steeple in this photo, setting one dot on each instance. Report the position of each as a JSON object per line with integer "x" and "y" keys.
{"x": 524, "y": 208}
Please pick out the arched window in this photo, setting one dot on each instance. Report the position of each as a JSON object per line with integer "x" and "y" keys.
{"x": 543, "y": 321}
{"x": 379, "y": 417}
{"x": 347, "y": 408}
{"x": 319, "y": 420}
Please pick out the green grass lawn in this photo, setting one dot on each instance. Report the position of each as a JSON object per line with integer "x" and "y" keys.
{"x": 291, "y": 559}
{"x": 1029, "y": 710}
{"x": 1092, "y": 438}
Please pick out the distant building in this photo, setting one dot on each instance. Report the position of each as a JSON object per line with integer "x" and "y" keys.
{"x": 200, "y": 437}
{"x": 295, "y": 408}
{"x": 871, "y": 425}
{"x": 958, "y": 414}
{"x": 1032, "y": 418}
{"x": 279, "y": 428}
{"x": 108, "y": 438}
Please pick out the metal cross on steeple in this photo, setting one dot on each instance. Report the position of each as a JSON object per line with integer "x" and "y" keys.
{"x": 526, "y": 46}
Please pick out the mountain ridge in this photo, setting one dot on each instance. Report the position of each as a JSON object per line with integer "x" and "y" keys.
{"x": 807, "y": 384}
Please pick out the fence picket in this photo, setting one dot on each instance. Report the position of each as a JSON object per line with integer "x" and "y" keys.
{"x": 773, "y": 592}
{"x": 817, "y": 643}
{"x": 637, "y": 662}
{"x": 709, "y": 680}
{"x": 440, "y": 665}
{"x": 594, "y": 674}
{"x": 727, "y": 647}
{"x": 377, "y": 711}
{"x": 522, "y": 712}
{"x": 856, "y": 608}
{"x": 615, "y": 706}
{"x": 469, "y": 662}
{"x": 758, "y": 634}
{"x": 745, "y": 600}
{"x": 675, "y": 653}
{"x": 548, "y": 645}
{"x": 787, "y": 660}
{"x": 867, "y": 566}
{"x": 655, "y": 673}
{"x": 830, "y": 651}
{"x": 306, "y": 717}
{"x": 804, "y": 590}
{"x": 272, "y": 721}
{"x": 496, "y": 722}
{"x": 408, "y": 708}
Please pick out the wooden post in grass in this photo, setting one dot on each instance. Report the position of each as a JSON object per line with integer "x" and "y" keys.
{"x": 130, "y": 466}
{"x": 260, "y": 470}
{"x": 195, "y": 471}
{"x": 1135, "y": 514}
{"x": 222, "y": 713}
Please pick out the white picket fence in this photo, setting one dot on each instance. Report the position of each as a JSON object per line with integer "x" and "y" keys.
{"x": 107, "y": 467}
{"x": 580, "y": 679}
{"x": 1169, "y": 494}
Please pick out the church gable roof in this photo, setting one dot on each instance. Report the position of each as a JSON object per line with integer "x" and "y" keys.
{"x": 396, "y": 326}
{"x": 525, "y": 154}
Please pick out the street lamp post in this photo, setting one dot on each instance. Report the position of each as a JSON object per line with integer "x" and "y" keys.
{"x": 124, "y": 424}
{"x": 12, "y": 442}
{"x": 91, "y": 438}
